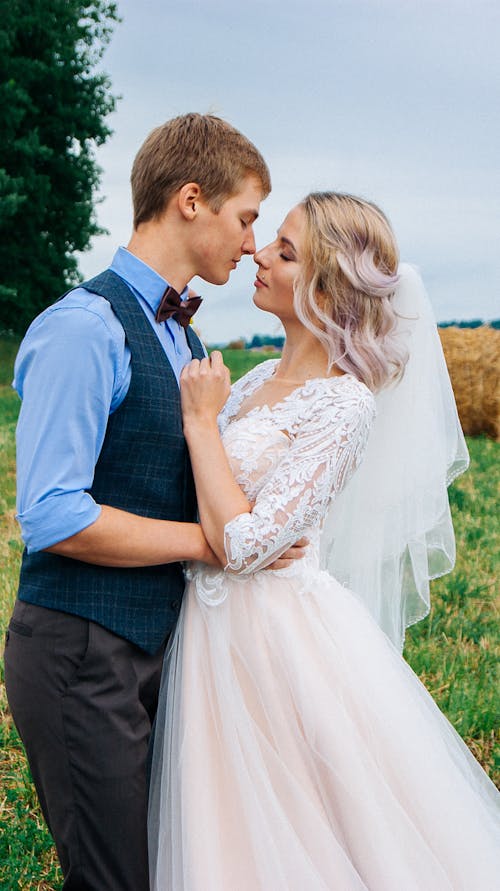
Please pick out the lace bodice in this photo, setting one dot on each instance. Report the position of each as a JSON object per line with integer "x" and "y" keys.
{"x": 290, "y": 460}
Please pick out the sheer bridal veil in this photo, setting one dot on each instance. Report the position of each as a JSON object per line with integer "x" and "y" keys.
{"x": 390, "y": 531}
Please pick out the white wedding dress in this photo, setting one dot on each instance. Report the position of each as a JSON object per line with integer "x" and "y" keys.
{"x": 295, "y": 749}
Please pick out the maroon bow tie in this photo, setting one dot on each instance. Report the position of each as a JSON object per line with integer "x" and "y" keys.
{"x": 181, "y": 310}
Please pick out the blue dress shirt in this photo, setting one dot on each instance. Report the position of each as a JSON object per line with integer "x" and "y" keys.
{"x": 72, "y": 371}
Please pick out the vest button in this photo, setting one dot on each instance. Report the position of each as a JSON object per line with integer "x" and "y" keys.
{"x": 175, "y": 605}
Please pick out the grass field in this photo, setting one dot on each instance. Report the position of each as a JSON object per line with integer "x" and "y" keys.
{"x": 456, "y": 650}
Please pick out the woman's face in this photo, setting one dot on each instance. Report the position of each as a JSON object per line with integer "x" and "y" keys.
{"x": 279, "y": 264}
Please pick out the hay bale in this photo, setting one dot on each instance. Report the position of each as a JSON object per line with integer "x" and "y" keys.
{"x": 473, "y": 359}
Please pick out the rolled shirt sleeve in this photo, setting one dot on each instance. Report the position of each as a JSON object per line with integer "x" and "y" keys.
{"x": 70, "y": 373}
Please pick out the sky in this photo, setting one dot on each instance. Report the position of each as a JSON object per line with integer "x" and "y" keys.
{"x": 394, "y": 100}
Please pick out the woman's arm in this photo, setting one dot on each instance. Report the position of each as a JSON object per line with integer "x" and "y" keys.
{"x": 324, "y": 451}
{"x": 205, "y": 386}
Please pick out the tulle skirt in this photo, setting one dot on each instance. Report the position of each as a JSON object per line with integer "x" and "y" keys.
{"x": 295, "y": 750}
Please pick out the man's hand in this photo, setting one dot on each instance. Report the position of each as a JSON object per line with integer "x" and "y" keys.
{"x": 296, "y": 552}
{"x": 209, "y": 557}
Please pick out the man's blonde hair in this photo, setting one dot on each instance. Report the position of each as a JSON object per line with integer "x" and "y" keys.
{"x": 197, "y": 148}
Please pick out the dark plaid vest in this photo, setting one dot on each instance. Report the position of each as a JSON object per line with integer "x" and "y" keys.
{"x": 143, "y": 468}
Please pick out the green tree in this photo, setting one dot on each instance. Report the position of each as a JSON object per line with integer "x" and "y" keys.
{"x": 54, "y": 100}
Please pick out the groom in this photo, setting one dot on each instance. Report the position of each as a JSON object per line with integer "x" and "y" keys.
{"x": 106, "y": 499}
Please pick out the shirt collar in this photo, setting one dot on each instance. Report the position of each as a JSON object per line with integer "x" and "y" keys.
{"x": 142, "y": 278}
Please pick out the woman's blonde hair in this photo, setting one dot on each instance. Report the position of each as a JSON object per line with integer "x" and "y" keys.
{"x": 348, "y": 277}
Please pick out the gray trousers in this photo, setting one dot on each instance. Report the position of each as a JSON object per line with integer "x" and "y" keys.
{"x": 83, "y": 701}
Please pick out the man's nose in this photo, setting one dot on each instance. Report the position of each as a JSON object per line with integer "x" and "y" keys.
{"x": 248, "y": 246}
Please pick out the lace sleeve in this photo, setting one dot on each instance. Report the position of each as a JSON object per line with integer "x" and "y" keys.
{"x": 326, "y": 445}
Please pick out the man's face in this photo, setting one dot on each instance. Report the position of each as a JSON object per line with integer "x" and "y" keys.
{"x": 222, "y": 238}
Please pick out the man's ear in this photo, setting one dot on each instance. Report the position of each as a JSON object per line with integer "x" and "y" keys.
{"x": 188, "y": 200}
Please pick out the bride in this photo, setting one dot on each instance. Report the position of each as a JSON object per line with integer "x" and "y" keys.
{"x": 295, "y": 749}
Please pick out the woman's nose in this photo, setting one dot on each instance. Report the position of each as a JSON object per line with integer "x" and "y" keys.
{"x": 260, "y": 257}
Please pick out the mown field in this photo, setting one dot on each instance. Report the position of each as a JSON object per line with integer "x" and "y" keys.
{"x": 456, "y": 650}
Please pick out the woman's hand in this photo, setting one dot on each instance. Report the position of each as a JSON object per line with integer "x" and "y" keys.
{"x": 205, "y": 386}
